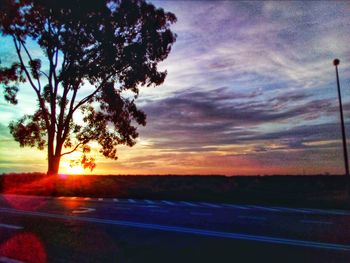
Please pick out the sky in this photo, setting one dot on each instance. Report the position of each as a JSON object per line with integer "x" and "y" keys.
{"x": 250, "y": 90}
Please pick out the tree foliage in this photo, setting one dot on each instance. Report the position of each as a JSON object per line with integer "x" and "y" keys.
{"x": 94, "y": 52}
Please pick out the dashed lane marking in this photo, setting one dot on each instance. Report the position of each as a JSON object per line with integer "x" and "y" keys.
{"x": 168, "y": 202}
{"x": 264, "y": 208}
{"x": 245, "y": 207}
{"x": 237, "y": 206}
{"x": 149, "y": 206}
{"x": 188, "y": 203}
{"x": 83, "y": 210}
{"x": 211, "y": 205}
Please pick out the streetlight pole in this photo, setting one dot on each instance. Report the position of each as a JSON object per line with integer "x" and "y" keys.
{"x": 346, "y": 161}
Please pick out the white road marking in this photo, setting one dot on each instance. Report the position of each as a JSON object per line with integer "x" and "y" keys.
{"x": 200, "y": 214}
{"x": 305, "y": 221}
{"x": 324, "y": 211}
{"x": 100, "y": 199}
{"x": 83, "y": 210}
{"x": 159, "y": 211}
{"x": 340, "y": 212}
{"x": 73, "y": 198}
{"x": 288, "y": 209}
{"x": 314, "y": 211}
{"x": 253, "y": 217}
{"x": 115, "y": 200}
{"x": 168, "y": 202}
{"x": 87, "y": 198}
{"x": 188, "y": 203}
{"x": 188, "y": 230}
{"x": 9, "y": 260}
{"x": 264, "y": 208}
{"x": 131, "y": 201}
{"x": 237, "y": 206}
{"x": 149, "y": 206}
{"x": 10, "y": 226}
{"x": 61, "y": 197}
{"x": 211, "y": 205}
{"x": 149, "y": 201}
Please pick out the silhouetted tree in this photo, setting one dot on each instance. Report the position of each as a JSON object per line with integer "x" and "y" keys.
{"x": 95, "y": 53}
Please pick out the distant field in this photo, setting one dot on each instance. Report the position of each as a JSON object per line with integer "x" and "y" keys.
{"x": 302, "y": 191}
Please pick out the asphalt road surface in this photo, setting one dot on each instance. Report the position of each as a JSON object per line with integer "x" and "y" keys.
{"x": 75, "y": 229}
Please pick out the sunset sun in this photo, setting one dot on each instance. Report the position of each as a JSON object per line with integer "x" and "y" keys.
{"x": 76, "y": 170}
{"x": 67, "y": 168}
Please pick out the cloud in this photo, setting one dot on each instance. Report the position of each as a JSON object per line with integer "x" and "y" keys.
{"x": 219, "y": 117}
{"x": 257, "y": 45}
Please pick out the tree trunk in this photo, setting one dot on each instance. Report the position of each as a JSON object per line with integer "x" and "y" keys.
{"x": 53, "y": 167}
{"x": 53, "y": 164}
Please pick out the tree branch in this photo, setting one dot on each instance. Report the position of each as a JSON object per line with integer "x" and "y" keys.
{"x": 18, "y": 50}
{"x": 53, "y": 95}
{"x": 31, "y": 60}
{"x": 75, "y": 148}
{"x": 87, "y": 98}
{"x": 70, "y": 113}
{"x": 61, "y": 126}
{"x": 42, "y": 72}
{"x": 41, "y": 103}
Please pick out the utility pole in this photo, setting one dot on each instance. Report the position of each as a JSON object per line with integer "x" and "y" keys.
{"x": 346, "y": 161}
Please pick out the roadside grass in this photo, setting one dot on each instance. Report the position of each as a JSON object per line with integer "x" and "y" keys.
{"x": 323, "y": 191}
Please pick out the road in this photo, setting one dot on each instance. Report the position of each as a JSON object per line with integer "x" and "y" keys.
{"x": 83, "y": 229}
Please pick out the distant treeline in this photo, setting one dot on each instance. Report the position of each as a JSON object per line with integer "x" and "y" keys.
{"x": 315, "y": 190}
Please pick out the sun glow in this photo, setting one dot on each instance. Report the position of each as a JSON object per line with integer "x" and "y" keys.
{"x": 76, "y": 170}
{"x": 66, "y": 168}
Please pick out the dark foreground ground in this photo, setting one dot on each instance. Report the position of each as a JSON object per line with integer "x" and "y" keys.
{"x": 300, "y": 191}
{"x": 72, "y": 229}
